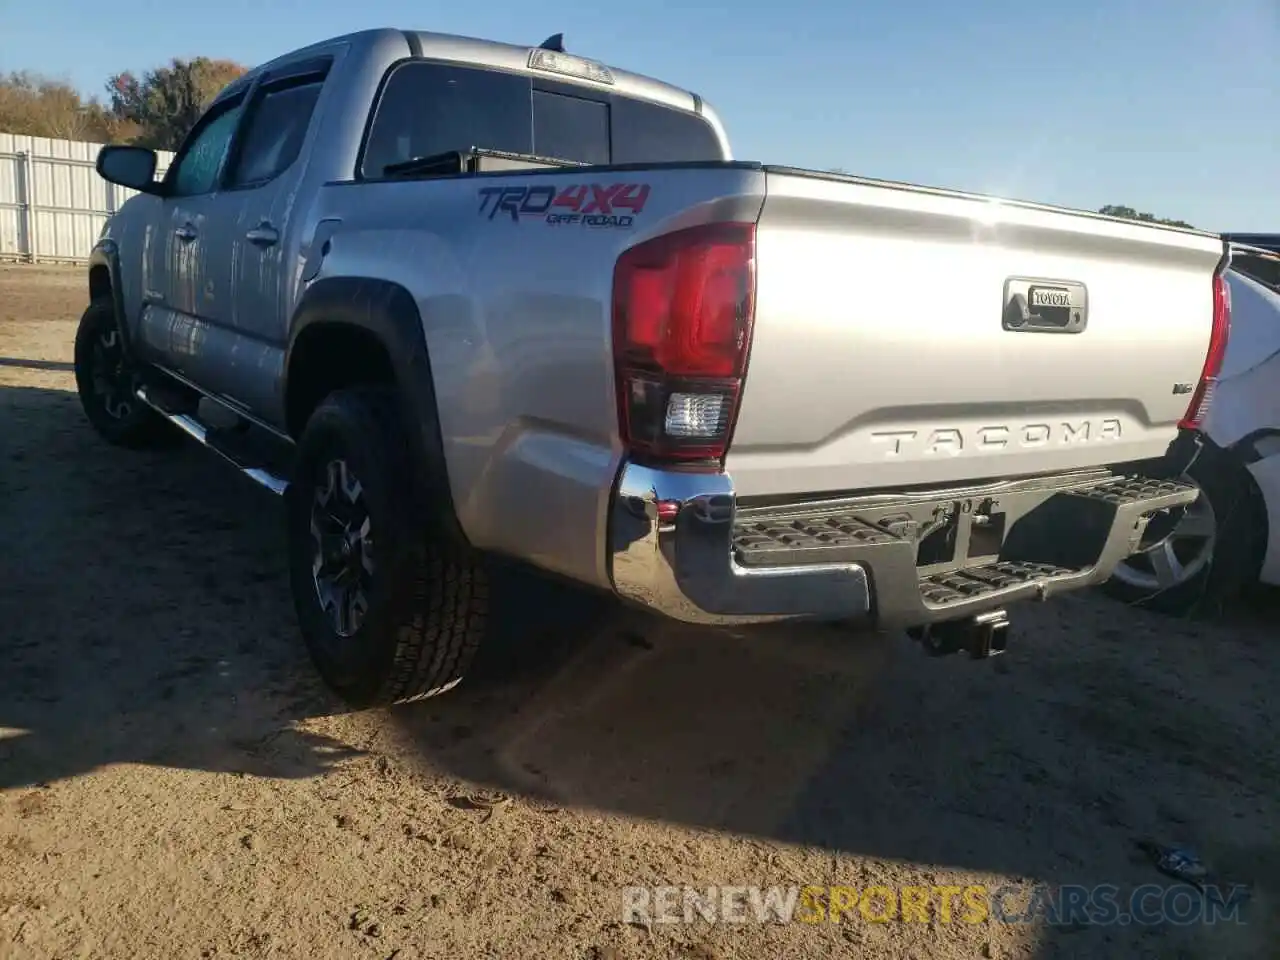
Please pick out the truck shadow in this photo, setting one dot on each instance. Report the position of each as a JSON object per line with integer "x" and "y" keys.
{"x": 149, "y": 622}
{"x": 143, "y": 599}
{"x": 62, "y": 365}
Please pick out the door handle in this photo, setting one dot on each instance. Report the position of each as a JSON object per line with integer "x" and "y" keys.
{"x": 263, "y": 235}
{"x": 186, "y": 233}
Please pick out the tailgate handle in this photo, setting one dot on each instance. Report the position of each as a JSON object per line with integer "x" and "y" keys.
{"x": 1044, "y": 306}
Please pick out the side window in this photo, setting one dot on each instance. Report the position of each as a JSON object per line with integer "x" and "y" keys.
{"x": 196, "y": 171}
{"x": 430, "y": 108}
{"x": 274, "y": 130}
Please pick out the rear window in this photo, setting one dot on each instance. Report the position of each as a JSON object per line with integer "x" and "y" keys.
{"x": 1263, "y": 269}
{"x": 570, "y": 128}
{"x": 431, "y": 108}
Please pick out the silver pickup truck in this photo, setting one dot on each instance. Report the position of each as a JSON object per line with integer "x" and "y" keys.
{"x": 462, "y": 301}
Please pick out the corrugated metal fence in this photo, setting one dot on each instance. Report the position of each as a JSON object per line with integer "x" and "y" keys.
{"x": 52, "y": 201}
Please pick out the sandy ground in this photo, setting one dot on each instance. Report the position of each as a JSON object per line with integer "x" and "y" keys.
{"x": 174, "y": 782}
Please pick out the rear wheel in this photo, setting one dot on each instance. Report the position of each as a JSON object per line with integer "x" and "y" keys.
{"x": 106, "y": 381}
{"x": 1214, "y": 552}
{"x": 387, "y": 615}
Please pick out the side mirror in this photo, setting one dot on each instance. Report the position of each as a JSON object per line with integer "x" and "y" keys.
{"x": 132, "y": 167}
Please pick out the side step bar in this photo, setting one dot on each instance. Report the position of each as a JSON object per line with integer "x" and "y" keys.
{"x": 214, "y": 441}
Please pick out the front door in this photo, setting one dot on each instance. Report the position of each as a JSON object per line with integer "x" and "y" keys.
{"x": 195, "y": 287}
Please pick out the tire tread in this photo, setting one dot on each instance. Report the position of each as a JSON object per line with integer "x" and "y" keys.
{"x": 440, "y": 608}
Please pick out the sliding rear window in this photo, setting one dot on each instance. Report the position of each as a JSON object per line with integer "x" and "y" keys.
{"x": 431, "y": 108}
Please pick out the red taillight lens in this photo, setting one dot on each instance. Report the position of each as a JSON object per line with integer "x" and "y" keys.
{"x": 1203, "y": 396}
{"x": 682, "y": 312}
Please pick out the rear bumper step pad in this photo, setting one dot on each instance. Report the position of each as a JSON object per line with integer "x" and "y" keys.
{"x": 929, "y": 559}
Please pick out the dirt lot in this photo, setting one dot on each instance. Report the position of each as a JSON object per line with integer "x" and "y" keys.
{"x": 175, "y": 783}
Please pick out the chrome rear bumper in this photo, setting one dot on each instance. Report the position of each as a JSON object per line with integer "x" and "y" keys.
{"x": 680, "y": 545}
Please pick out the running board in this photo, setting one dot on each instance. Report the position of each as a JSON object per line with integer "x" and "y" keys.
{"x": 211, "y": 438}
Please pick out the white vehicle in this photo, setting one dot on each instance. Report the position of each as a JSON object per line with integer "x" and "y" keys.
{"x": 1230, "y": 537}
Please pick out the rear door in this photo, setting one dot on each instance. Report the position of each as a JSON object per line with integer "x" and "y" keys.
{"x": 255, "y": 225}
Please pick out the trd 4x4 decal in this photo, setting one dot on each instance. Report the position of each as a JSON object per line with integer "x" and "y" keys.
{"x": 587, "y": 205}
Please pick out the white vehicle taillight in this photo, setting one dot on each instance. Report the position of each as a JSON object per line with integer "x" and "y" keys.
{"x": 1203, "y": 396}
{"x": 683, "y": 305}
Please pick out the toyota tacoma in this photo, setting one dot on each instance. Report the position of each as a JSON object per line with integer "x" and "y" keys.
{"x": 460, "y": 301}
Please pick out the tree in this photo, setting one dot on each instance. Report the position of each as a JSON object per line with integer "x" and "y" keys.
{"x": 156, "y": 111}
{"x": 35, "y": 106}
{"x": 1128, "y": 213}
{"x": 167, "y": 101}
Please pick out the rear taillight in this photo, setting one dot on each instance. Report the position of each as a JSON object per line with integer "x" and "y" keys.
{"x": 682, "y": 312}
{"x": 1203, "y": 396}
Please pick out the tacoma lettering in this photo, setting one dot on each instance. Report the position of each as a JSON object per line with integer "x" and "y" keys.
{"x": 952, "y": 441}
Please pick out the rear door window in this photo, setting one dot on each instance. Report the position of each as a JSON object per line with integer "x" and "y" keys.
{"x": 431, "y": 108}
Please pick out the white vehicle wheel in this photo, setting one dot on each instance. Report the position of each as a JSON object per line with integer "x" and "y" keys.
{"x": 1179, "y": 558}
{"x": 1215, "y": 551}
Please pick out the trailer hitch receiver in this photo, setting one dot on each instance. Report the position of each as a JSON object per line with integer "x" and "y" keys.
{"x": 981, "y": 636}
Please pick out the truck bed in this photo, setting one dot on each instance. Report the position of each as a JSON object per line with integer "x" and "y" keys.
{"x": 883, "y": 356}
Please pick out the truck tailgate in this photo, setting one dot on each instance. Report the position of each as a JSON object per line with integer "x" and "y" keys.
{"x": 910, "y": 336}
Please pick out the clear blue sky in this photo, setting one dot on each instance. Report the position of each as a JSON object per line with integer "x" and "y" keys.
{"x": 1170, "y": 106}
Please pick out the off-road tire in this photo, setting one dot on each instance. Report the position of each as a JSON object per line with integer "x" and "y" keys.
{"x": 1237, "y": 555}
{"x": 121, "y": 419}
{"x": 427, "y": 603}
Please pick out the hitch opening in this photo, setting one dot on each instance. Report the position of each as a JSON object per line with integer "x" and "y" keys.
{"x": 981, "y": 636}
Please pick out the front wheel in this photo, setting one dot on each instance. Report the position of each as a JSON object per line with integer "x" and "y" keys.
{"x": 386, "y": 615}
{"x": 1215, "y": 551}
{"x": 106, "y": 381}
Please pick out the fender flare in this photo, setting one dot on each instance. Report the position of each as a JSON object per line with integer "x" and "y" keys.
{"x": 388, "y": 312}
{"x": 106, "y": 254}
